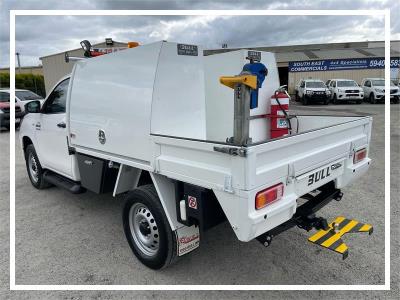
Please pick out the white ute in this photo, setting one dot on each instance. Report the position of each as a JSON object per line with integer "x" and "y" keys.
{"x": 312, "y": 90}
{"x": 189, "y": 147}
{"x": 344, "y": 90}
{"x": 374, "y": 90}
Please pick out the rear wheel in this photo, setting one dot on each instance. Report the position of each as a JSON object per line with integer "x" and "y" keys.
{"x": 34, "y": 168}
{"x": 359, "y": 101}
{"x": 147, "y": 228}
{"x": 326, "y": 102}
{"x": 296, "y": 97}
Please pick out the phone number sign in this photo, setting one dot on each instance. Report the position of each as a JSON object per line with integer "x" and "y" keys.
{"x": 342, "y": 64}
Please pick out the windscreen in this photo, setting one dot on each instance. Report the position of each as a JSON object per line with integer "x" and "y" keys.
{"x": 315, "y": 84}
{"x": 4, "y": 97}
{"x": 381, "y": 82}
{"x": 347, "y": 83}
{"x": 27, "y": 95}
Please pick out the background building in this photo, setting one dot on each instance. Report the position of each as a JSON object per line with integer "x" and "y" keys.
{"x": 55, "y": 67}
{"x": 354, "y": 60}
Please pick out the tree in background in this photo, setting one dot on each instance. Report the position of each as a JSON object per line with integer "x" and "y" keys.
{"x": 34, "y": 83}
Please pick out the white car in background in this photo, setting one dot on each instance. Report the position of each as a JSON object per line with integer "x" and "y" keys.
{"x": 344, "y": 90}
{"x": 374, "y": 90}
{"x": 23, "y": 97}
{"x": 311, "y": 91}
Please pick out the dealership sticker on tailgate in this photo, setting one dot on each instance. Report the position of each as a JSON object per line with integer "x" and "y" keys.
{"x": 315, "y": 178}
{"x": 188, "y": 239}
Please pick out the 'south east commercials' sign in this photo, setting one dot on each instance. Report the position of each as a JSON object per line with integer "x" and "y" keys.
{"x": 342, "y": 64}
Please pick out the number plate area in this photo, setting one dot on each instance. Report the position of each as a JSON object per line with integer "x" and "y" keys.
{"x": 311, "y": 180}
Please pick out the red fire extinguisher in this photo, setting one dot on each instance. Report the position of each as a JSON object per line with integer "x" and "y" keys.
{"x": 278, "y": 117}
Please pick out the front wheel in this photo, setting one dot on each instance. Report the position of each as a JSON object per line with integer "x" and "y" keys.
{"x": 34, "y": 168}
{"x": 147, "y": 229}
{"x": 372, "y": 98}
{"x": 335, "y": 101}
{"x": 304, "y": 100}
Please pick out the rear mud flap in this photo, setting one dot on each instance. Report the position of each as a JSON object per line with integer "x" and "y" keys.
{"x": 332, "y": 237}
{"x": 187, "y": 239}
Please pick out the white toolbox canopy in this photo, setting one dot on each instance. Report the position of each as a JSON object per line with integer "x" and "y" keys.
{"x": 132, "y": 93}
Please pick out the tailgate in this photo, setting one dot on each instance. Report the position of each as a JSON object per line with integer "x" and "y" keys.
{"x": 310, "y": 158}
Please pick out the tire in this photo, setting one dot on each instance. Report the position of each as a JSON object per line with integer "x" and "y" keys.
{"x": 359, "y": 101}
{"x": 396, "y": 100}
{"x": 372, "y": 98}
{"x": 326, "y": 102}
{"x": 34, "y": 168}
{"x": 335, "y": 101}
{"x": 296, "y": 97}
{"x": 147, "y": 228}
{"x": 304, "y": 100}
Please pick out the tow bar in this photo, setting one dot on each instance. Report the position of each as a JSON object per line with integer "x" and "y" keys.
{"x": 328, "y": 235}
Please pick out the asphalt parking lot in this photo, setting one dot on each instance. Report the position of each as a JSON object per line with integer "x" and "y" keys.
{"x": 78, "y": 239}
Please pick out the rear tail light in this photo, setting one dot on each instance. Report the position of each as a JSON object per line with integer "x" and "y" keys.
{"x": 359, "y": 155}
{"x": 269, "y": 195}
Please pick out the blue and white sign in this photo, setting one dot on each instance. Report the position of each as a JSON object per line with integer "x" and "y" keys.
{"x": 342, "y": 64}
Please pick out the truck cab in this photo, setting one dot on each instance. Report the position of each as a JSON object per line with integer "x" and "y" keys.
{"x": 46, "y": 124}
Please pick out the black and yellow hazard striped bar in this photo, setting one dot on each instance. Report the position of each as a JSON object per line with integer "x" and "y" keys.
{"x": 331, "y": 238}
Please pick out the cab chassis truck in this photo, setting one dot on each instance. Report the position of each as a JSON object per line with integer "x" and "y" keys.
{"x": 144, "y": 122}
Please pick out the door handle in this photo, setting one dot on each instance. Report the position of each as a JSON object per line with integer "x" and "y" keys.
{"x": 61, "y": 125}
{"x": 38, "y": 126}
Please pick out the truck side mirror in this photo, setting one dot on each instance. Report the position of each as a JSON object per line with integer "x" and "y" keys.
{"x": 32, "y": 107}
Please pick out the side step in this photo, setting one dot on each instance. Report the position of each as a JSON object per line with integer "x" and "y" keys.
{"x": 63, "y": 182}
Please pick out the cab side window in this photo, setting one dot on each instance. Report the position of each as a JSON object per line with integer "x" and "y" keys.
{"x": 333, "y": 83}
{"x": 56, "y": 103}
{"x": 367, "y": 83}
{"x": 302, "y": 84}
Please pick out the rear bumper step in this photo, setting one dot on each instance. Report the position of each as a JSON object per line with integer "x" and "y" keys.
{"x": 328, "y": 235}
{"x": 331, "y": 238}
{"x": 63, "y": 182}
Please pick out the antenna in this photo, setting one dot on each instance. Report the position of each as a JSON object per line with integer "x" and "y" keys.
{"x": 18, "y": 61}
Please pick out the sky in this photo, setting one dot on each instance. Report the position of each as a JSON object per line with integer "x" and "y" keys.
{"x": 38, "y": 36}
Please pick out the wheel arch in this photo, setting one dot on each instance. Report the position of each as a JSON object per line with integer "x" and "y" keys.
{"x": 26, "y": 141}
{"x": 129, "y": 178}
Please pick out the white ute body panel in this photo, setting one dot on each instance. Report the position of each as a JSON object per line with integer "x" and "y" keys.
{"x": 153, "y": 106}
